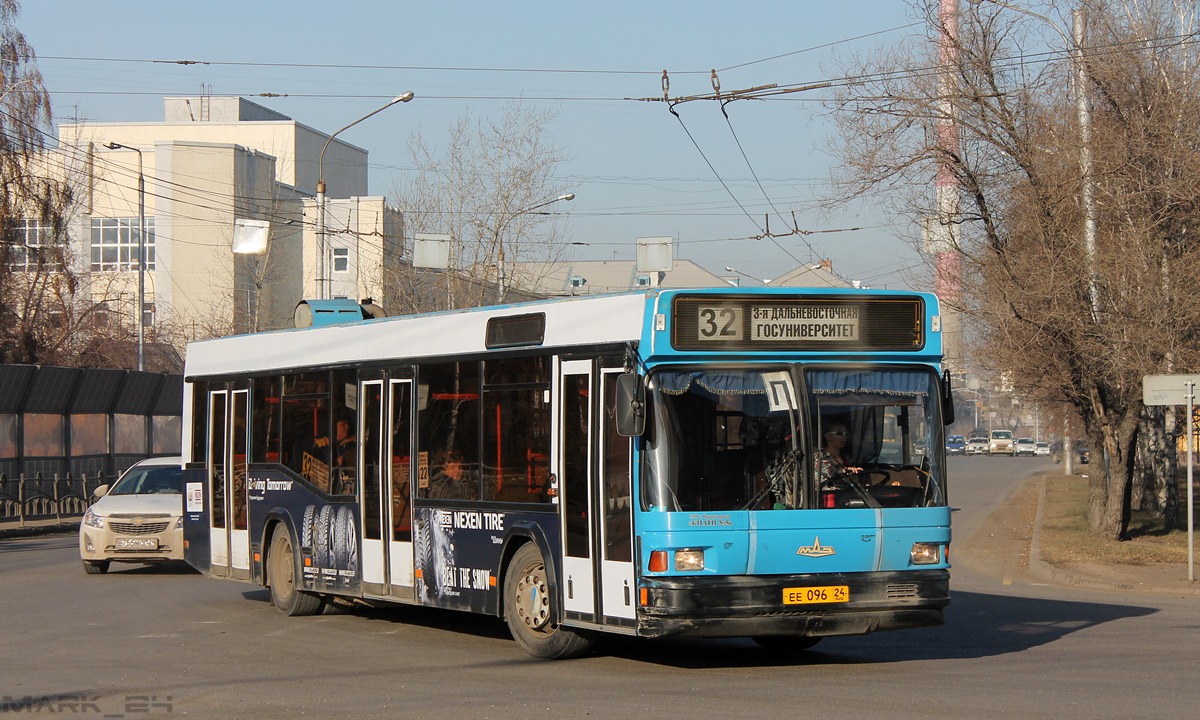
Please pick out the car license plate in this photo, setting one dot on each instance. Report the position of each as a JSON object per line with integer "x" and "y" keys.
{"x": 816, "y": 595}
{"x": 138, "y": 543}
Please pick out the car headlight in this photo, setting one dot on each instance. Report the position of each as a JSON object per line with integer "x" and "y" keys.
{"x": 91, "y": 519}
{"x": 179, "y": 523}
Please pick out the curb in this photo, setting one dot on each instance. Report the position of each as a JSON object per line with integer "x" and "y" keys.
{"x": 1048, "y": 572}
{"x": 44, "y": 528}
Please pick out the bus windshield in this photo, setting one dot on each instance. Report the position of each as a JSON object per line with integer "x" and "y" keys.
{"x": 724, "y": 439}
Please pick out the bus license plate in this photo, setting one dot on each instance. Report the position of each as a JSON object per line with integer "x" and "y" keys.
{"x": 138, "y": 543}
{"x": 816, "y": 595}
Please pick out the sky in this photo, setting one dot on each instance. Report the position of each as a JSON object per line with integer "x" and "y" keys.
{"x": 636, "y": 170}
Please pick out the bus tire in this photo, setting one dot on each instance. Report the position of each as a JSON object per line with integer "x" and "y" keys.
{"x": 529, "y": 610}
{"x": 95, "y": 567}
{"x": 785, "y": 643}
{"x": 285, "y": 594}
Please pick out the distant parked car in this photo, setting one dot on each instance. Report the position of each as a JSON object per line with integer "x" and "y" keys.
{"x": 977, "y": 446}
{"x": 139, "y": 519}
{"x": 1041, "y": 448}
{"x": 1025, "y": 446}
{"x": 1000, "y": 442}
{"x": 956, "y": 445}
{"x": 1081, "y": 452}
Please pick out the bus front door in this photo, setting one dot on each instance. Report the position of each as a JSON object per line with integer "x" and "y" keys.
{"x": 572, "y": 449}
{"x": 593, "y": 463}
{"x": 616, "y": 532}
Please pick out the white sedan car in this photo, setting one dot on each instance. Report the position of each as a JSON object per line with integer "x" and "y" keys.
{"x": 139, "y": 519}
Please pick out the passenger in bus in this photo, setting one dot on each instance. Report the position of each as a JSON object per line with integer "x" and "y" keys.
{"x": 344, "y": 453}
{"x": 452, "y": 480}
{"x": 833, "y": 456}
{"x": 344, "y": 456}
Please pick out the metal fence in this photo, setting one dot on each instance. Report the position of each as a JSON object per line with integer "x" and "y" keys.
{"x": 24, "y": 499}
{"x": 66, "y": 431}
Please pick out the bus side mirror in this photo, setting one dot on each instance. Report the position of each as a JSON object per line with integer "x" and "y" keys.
{"x": 947, "y": 399}
{"x": 631, "y": 405}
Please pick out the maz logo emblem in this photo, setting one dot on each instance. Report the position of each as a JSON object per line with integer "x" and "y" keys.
{"x": 816, "y": 549}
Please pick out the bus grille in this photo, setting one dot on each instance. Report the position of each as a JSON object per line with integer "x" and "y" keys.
{"x": 898, "y": 592}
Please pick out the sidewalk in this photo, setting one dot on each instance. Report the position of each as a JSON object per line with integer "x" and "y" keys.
{"x": 1008, "y": 546}
{"x": 14, "y": 528}
{"x": 1161, "y": 578}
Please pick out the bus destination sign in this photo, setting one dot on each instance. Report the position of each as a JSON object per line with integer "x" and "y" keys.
{"x": 800, "y": 323}
{"x": 775, "y": 323}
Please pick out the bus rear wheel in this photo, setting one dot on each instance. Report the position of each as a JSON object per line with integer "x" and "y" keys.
{"x": 529, "y": 610}
{"x": 282, "y": 576}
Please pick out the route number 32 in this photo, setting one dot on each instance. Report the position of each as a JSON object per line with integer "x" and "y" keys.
{"x": 720, "y": 323}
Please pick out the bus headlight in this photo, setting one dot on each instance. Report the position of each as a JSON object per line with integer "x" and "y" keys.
{"x": 926, "y": 554}
{"x": 689, "y": 560}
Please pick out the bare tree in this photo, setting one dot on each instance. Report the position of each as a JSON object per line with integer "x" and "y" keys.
{"x": 34, "y": 276}
{"x": 1069, "y": 323}
{"x": 483, "y": 189}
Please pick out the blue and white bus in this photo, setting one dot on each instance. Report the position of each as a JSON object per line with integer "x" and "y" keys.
{"x": 648, "y": 464}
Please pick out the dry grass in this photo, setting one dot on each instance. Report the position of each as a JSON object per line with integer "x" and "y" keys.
{"x": 1065, "y": 539}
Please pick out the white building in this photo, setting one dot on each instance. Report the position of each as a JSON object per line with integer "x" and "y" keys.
{"x": 211, "y": 162}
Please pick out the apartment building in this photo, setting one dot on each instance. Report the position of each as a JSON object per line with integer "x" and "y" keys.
{"x": 210, "y": 163}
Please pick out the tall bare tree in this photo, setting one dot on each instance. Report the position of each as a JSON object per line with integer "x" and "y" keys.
{"x": 35, "y": 280}
{"x": 487, "y": 189}
{"x": 1069, "y": 321}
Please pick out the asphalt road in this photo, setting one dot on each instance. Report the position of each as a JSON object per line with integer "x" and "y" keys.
{"x": 151, "y": 642}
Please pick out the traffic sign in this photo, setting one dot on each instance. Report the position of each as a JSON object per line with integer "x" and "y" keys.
{"x": 1169, "y": 389}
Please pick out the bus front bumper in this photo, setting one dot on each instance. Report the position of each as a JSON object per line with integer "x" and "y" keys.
{"x": 740, "y": 606}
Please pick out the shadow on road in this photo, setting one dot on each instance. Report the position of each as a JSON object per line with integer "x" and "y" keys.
{"x": 977, "y": 625}
{"x": 425, "y": 617}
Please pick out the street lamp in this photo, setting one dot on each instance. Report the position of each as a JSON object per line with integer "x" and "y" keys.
{"x": 498, "y": 243}
{"x": 746, "y": 275}
{"x": 321, "y": 279}
{"x": 141, "y": 255}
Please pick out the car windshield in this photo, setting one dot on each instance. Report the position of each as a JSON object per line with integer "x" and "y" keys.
{"x": 150, "y": 480}
{"x": 1002, "y": 435}
{"x": 736, "y": 439}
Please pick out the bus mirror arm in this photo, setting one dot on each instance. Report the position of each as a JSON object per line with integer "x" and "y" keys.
{"x": 630, "y": 405}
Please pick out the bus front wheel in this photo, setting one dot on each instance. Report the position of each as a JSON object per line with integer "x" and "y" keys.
{"x": 529, "y": 610}
{"x": 282, "y": 576}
